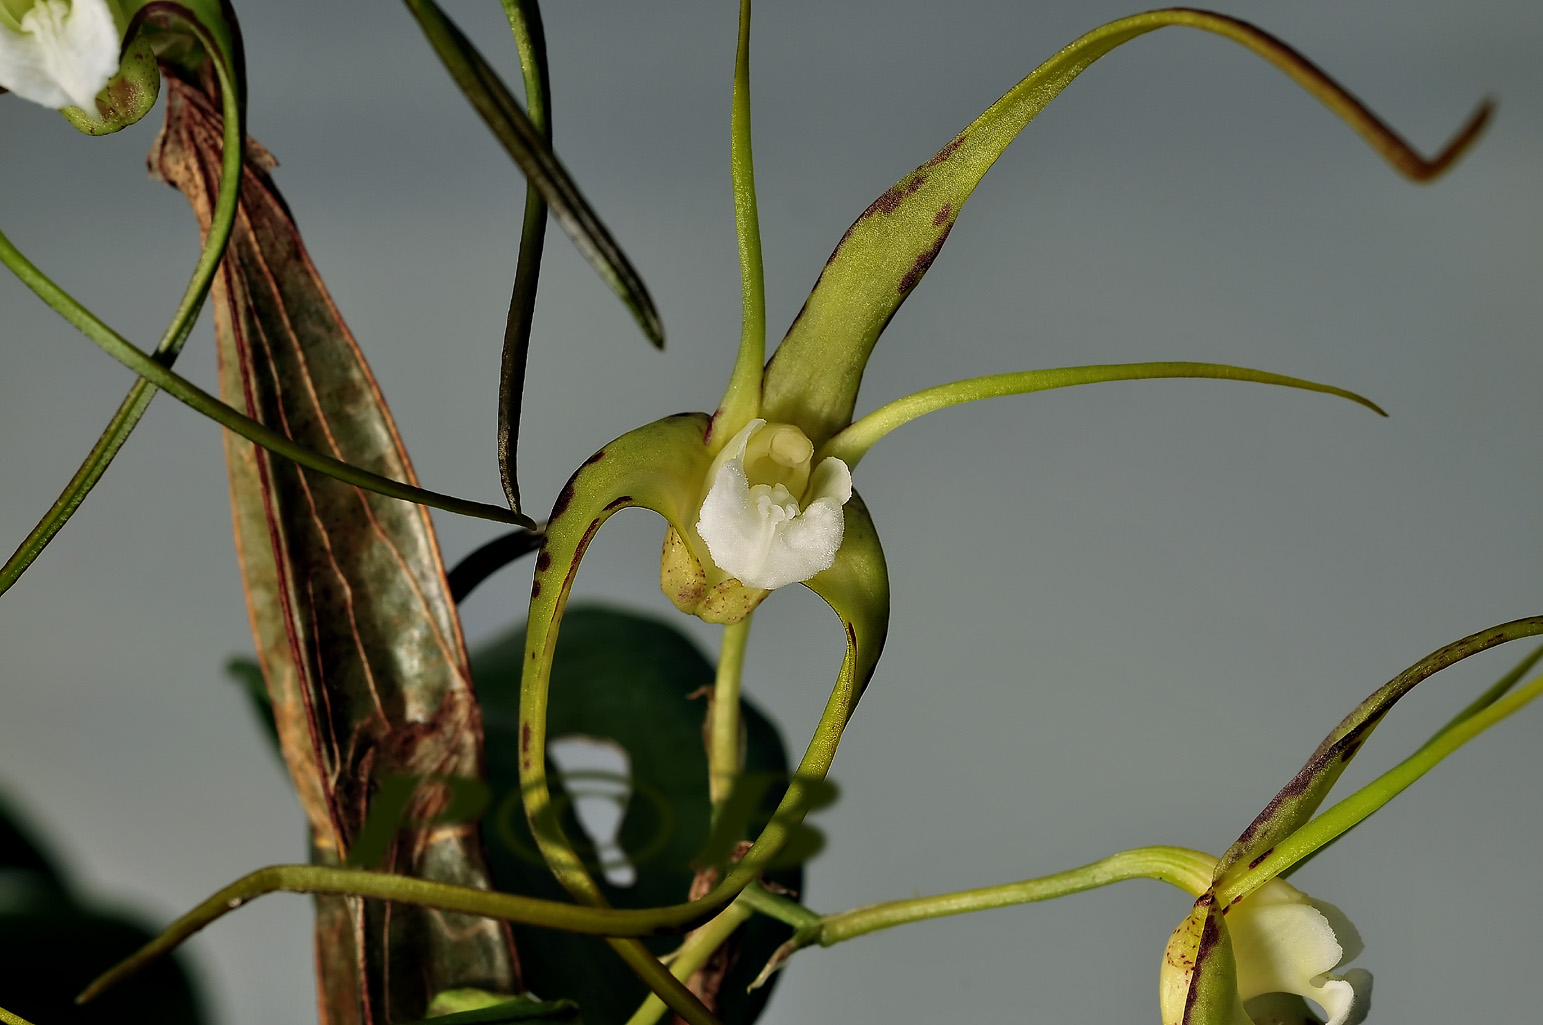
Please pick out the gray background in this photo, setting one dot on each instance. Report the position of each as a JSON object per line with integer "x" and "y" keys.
{"x": 1123, "y": 615}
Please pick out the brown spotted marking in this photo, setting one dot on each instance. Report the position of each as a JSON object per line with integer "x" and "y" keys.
{"x": 1210, "y": 935}
{"x": 942, "y": 215}
{"x": 623, "y": 500}
{"x": 893, "y": 196}
{"x": 592, "y": 460}
{"x": 535, "y": 589}
{"x": 946, "y": 152}
{"x": 1256, "y": 861}
{"x": 923, "y": 261}
{"x": 543, "y": 562}
{"x": 564, "y": 497}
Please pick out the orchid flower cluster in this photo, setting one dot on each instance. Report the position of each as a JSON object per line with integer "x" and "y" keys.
{"x": 756, "y": 495}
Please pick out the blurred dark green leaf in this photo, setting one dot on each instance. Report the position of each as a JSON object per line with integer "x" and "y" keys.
{"x": 51, "y": 946}
{"x": 638, "y": 683}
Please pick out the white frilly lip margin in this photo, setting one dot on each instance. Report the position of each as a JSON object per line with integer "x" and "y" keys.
{"x": 762, "y": 534}
{"x": 59, "y": 53}
{"x": 1286, "y": 942}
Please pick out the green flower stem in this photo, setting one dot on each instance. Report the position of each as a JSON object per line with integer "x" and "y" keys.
{"x": 693, "y": 954}
{"x": 852, "y": 443}
{"x": 742, "y": 401}
{"x": 12, "y": 1019}
{"x": 724, "y": 755}
{"x": 530, "y": 40}
{"x": 381, "y": 886}
{"x": 190, "y": 394}
{"x": 1186, "y": 869}
{"x": 1353, "y": 809}
{"x": 789, "y": 912}
{"x": 138, "y": 399}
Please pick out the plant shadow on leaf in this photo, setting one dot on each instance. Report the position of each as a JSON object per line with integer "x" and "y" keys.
{"x": 52, "y": 944}
{"x": 639, "y": 684}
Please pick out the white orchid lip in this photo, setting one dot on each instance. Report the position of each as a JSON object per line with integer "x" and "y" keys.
{"x": 1284, "y": 945}
{"x": 1286, "y": 942}
{"x": 59, "y": 53}
{"x": 770, "y": 517}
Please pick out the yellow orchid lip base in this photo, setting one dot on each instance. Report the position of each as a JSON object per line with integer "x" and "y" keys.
{"x": 363, "y": 671}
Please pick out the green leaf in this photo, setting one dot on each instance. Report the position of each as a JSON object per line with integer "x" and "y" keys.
{"x": 357, "y": 636}
{"x": 813, "y": 377}
{"x": 520, "y": 139}
{"x": 525, "y": 22}
{"x": 221, "y": 37}
{"x": 483, "y": 562}
{"x": 637, "y": 683}
{"x": 249, "y": 675}
{"x": 52, "y": 944}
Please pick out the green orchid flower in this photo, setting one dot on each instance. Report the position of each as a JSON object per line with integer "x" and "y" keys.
{"x": 758, "y": 494}
{"x": 1254, "y": 948}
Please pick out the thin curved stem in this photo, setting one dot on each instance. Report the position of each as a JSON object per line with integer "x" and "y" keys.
{"x": 742, "y": 401}
{"x": 190, "y": 394}
{"x": 380, "y": 886}
{"x": 1189, "y": 870}
{"x": 724, "y": 727}
{"x": 12, "y": 1019}
{"x": 1353, "y": 809}
{"x": 133, "y": 407}
{"x": 853, "y": 442}
{"x": 692, "y": 955}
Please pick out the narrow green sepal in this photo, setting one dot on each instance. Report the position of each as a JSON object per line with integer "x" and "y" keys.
{"x": 813, "y": 378}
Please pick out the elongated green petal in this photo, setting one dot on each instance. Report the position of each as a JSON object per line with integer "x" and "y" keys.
{"x": 813, "y": 378}
{"x": 1499, "y": 689}
{"x": 742, "y": 402}
{"x": 514, "y": 131}
{"x": 222, "y": 43}
{"x": 1298, "y": 799}
{"x": 185, "y": 391}
{"x": 525, "y": 22}
{"x": 659, "y": 467}
{"x": 1353, "y": 810}
{"x": 852, "y": 443}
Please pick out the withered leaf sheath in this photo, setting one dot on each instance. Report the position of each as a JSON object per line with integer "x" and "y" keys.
{"x": 356, "y": 632}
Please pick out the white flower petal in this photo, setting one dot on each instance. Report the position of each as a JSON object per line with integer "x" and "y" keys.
{"x": 1284, "y": 943}
{"x": 64, "y": 54}
{"x": 758, "y": 533}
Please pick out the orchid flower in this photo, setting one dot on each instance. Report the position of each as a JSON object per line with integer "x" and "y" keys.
{"x": 1254, "y": 948}
{"x": 757, "y": 495}
{"x": 59, "y": 53}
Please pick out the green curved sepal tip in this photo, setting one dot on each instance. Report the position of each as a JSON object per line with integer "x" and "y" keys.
{"x": 813, "y": 378}
{"x": 1282, "y": 834}
{"x": 852, "y": 442}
